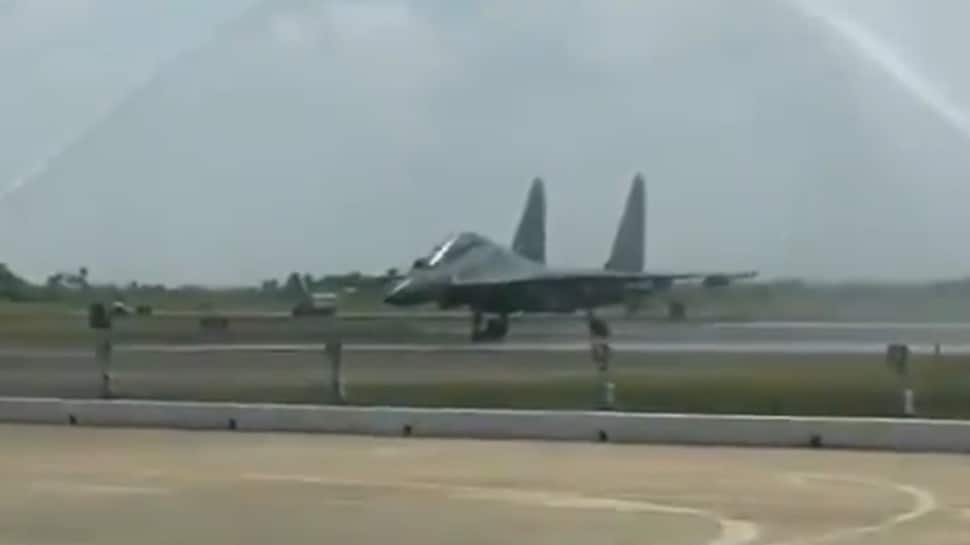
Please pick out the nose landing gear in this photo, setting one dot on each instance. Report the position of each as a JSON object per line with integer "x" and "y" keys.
{"x": 495, "y": 328}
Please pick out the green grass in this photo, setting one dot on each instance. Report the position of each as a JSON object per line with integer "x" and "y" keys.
{"x": 757, "y": 384}
{"x": 367, "y": 297}
{"x": 836, "y": 388}
{"x": 49, "y": 329}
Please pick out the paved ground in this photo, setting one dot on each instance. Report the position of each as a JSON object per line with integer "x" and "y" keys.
{"x": 46, "y": 331}
{"x": 554, "y": 333}
{"x": 100, "y": 486}
{"x": 532, "y": 329}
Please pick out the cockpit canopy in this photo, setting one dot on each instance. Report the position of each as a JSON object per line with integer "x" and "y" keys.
{"x": 450, "y": 249}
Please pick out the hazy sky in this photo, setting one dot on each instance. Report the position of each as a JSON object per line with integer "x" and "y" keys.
{"x": 227, "y": 141}
{"x": 66, "y": 62}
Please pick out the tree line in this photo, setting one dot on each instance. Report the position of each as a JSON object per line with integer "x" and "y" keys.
{"x": 65, "y": 285}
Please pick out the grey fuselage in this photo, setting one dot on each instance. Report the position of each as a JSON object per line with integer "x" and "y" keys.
{"x": 504, "y": 282}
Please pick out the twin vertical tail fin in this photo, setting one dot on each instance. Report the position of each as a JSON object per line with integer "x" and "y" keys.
{"x": 530, "y": 237}
{"x": 629, "y": 245}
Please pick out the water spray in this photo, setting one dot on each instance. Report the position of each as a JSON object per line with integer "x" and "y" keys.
{"x": 36, "y": 171}
{"x": 875, "y": 49}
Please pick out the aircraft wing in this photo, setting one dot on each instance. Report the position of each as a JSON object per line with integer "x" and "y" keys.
{"x": 702, "y": 275}
{"x": 662, "y": 281}
{"x": 496, "y": 278}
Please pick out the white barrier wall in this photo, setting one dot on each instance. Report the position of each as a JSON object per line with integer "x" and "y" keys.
{"x": 33, "y": 411}
{"x": 869, "y": 433}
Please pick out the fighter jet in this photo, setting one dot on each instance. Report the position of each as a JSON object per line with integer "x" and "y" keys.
{"x": 469, "y": 270}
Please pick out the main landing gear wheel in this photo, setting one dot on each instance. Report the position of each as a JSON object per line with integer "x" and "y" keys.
{"x": 495, "y": 328}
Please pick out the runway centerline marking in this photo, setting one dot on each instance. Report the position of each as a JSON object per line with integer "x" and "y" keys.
{"x": 924, "y": 503}
{"x": 732, "y": 531}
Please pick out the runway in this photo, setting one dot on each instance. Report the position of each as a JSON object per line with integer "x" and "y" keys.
{"x": 559, "y": 335}
{"x": 781, "y": 348}
{"x": 724, "y": 333}
{"x": 70, "y": 486}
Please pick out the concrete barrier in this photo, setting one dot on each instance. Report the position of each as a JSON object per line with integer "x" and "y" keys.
{"x": 157, "y": 414}
{"x": 470, "y": 423}
{"x": 33, "y": 411}
{"x": 737, "y": 430}
{"x": 780, "y": 431}
{"x": 508, "y": 424}
{"x": 324, "y": 419}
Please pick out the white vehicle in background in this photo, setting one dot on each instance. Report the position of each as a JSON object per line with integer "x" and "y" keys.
{"x": 317, "y": 304}
{"x": 120, "y": 308}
